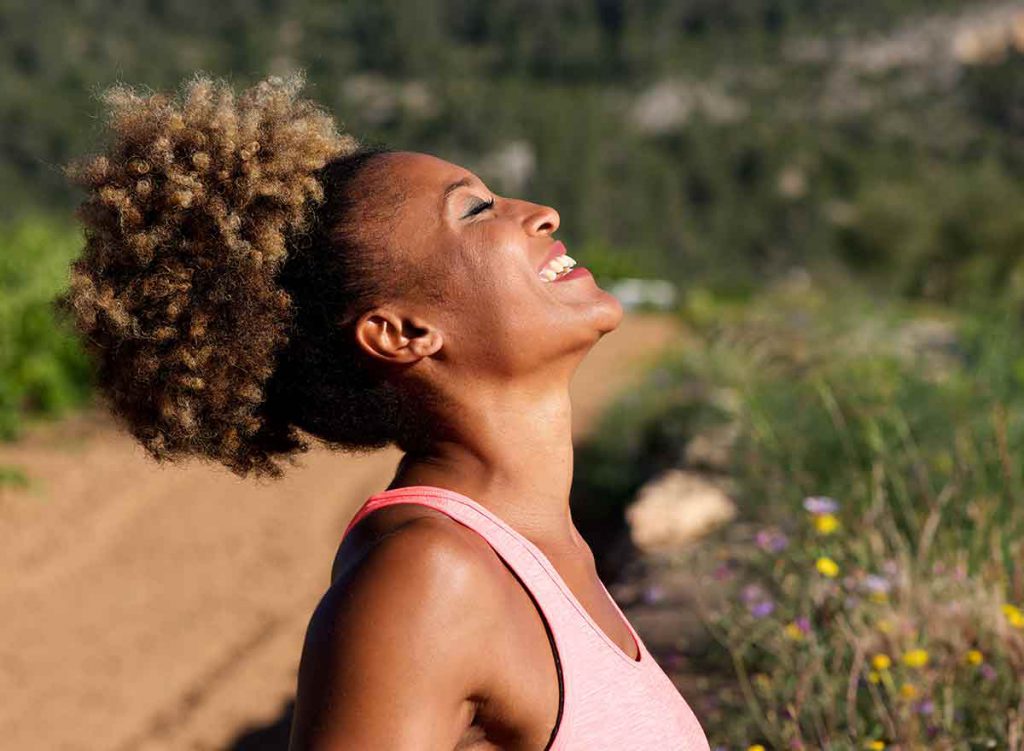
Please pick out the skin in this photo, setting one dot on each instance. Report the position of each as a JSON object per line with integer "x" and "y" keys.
{"x": 425, "y": 639}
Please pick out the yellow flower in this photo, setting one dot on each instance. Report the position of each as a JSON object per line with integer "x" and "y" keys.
{"x": 916, "y": 658}
{"x": 1014, "y": 616}
{"x": 827, "y": 567}
{"x": 884, "y": 626}
{"x": 878, "y": 597}
{"x": 881, "y": 662}
{"x": 792, "y": 631}
{"x": 826, "y": 524}
{"x": 875, "y": 745}
{"x": 755, "y": 747}
{"x": 874, "y": 677}
{"x": 975, "y": 657}
{"x": 908, "y": 691}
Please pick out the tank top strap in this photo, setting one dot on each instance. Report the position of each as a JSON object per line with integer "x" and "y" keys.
{"x": 526, "y": 561}
{"x": 522, "y": 556}
{"x": 608, "y": 700}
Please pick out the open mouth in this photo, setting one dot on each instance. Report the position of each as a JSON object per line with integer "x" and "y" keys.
{"x": 559, "y": 265}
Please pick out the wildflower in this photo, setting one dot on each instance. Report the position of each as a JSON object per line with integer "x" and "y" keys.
{"x": 884, "y": 626}
{"x": 874, "y": 677}
{"x": 771, "y": 540}
{"x": 881, "y": 662}
{"x": 908, "y": 691}
{"x": 975, "y": 657}
{"x": 1014, "y": 616}
{"x": 988, "y": 672}
{"x": 820, "y": 504}
{"x": 878, "y": 597}
{"x": 826, "y": 524}
{"x": 653, "y": 593}
{"x": 757, "y": 600}
{"x": 793, "y": 631}
{"x": 916, "y": 658}
{"x": 752, "y": 593}
{"x": 827, "y": 567}
{"x": 804, "y": 624}
{"x": 926, "y": 706}
{"x": 755, "y": 747}
{"x": 875, "y": 745}
{"x": 874, "y": 583}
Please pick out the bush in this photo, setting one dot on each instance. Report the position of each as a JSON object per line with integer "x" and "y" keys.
{"x": 42, "y": 369}
{"x": 914, "y": 419}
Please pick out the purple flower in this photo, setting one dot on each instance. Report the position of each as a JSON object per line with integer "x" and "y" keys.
{"x": 757, "y": 600}
{"x": 804, "y": 624}
{"x": 925, "y": 706}
{"x": 821, "y": 504}
{"x": 771, "y": 540}
{"x": 752, "y": 593}
{"x": 654, "y": 593}
{"x": 988, "y": 672}
{"x": 875, "y": 583}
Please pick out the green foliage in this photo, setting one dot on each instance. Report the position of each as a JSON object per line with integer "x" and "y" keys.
{"x": 912, "y": 419}
{"x": 785, "y": 148}
{"x": 840, "y": 636}
{"x": 42, "y": 368}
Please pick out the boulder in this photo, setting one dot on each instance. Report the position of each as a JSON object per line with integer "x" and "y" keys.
{"x": 675, "y": 508}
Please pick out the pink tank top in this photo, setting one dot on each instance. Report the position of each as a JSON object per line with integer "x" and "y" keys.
{"x": 609, "y": 701}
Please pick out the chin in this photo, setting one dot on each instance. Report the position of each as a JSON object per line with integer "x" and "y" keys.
{"x": 611, "y": 314}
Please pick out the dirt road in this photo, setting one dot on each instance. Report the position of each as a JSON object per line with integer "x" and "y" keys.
{"x": 149, "y": 607}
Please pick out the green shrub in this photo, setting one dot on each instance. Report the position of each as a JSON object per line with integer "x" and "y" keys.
{"x": 913, "y": 418}
{"x": 42, "y": 368}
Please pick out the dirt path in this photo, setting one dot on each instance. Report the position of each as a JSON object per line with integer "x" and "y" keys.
{"x": 149, "y": 607}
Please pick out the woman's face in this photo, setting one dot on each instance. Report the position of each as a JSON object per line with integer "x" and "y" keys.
{"x": 480, "y": 300}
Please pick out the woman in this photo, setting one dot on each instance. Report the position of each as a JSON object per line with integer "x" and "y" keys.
{"x": 248, "y": 273}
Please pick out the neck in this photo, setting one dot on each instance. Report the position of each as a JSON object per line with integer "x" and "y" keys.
{"x": 510, "y": 450}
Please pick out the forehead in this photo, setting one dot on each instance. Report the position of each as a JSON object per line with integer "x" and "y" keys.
{"x": 425, "y": 176}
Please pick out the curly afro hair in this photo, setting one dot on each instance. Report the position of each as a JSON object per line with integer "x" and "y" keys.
{"x": 227, "y": 253}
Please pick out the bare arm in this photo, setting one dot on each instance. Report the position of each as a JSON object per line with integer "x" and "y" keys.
{"x": 397, "y": 650}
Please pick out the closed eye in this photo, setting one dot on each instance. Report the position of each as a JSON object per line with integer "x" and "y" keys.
{"x": 479, "y": 208}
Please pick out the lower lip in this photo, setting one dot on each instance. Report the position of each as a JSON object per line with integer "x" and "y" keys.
{"x": 576, "y": 273}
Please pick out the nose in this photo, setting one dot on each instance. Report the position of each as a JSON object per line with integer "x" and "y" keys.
{"x": 541, "y": 220}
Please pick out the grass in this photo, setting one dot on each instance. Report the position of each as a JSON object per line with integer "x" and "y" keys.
{"x": 890, "y": 613}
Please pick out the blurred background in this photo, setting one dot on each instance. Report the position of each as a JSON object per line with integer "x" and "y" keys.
{"x": 798, "y": 460}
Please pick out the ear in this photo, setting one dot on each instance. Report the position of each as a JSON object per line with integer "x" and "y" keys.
{"x": 389, "y": 337}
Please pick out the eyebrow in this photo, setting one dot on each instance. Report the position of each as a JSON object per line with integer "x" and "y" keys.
{"x": 464, "y": 182}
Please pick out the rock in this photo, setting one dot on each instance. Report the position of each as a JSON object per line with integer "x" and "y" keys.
{"x": 676, "y": 508}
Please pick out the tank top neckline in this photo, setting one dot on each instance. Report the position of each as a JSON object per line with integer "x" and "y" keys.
{"x": 639, "y": 662}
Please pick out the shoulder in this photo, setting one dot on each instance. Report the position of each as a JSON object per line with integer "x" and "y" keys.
{"x": 429, "y": 569}
{"x": 424, "y": 554}
{"x": 410, "y": 625}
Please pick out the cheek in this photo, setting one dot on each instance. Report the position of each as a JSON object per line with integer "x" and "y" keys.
{"x": 501, "y": 308}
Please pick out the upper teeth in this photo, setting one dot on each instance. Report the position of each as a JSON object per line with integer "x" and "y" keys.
{"x": 556, "y": 266}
